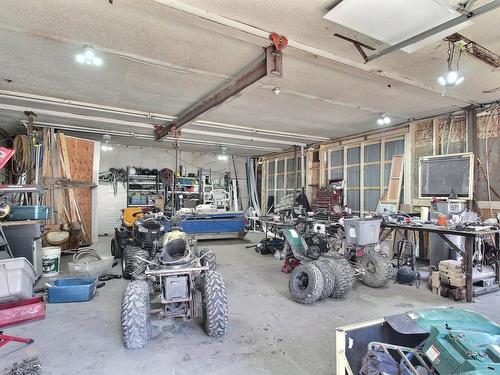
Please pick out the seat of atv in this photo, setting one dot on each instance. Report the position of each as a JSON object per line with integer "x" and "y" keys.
{"x": 151, "y": 224}
{"x": 174, "y": 250}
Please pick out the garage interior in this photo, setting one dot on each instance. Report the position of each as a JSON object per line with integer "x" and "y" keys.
{"x": 277, "y": 187}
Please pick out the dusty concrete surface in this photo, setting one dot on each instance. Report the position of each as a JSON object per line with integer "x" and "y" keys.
{"x": 269, "y": 333}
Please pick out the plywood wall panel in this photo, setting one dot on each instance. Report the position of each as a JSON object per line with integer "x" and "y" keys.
{"x": 81, "y": 164}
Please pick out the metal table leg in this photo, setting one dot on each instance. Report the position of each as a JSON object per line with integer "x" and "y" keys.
{"x": 497, "y": 268}
{"x": 469, "y": 253}
{"x": 421, "y": 244}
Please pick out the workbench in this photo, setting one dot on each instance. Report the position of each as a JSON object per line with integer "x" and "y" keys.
{"x": 470, "y": 237}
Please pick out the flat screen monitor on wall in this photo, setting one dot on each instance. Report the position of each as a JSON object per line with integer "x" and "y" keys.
{"x": 440, "y": 175}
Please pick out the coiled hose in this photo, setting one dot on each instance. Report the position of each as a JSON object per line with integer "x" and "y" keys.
{"x": 21, "y": 160}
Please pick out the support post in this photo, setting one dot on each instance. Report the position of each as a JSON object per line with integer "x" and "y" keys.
{"x": 473, "y": 144}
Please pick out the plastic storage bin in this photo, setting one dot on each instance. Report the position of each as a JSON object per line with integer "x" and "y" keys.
{"x": 92, "y": 268}
{"x": 29, "y": 213}
{"x": 362, "y": 232}
{"x": 16, "y": 279}
{"x": 72, "y": 289}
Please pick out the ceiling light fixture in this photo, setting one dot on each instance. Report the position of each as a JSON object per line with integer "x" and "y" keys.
{"x": 277, "y": 90}
{"x": 88, "y": 56}
{"x": 384, "y": 120}
{"x": 453, "y": 77}
{"x": 222, "y": 156}
{"x": 106, "y": 146}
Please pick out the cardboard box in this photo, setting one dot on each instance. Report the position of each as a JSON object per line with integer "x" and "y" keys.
{"x": 458, "y": 281}
{"x": 435, "y": 279}
{"x": 450, "y": 265}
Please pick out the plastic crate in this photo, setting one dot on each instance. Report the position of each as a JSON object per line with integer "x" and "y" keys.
{"x": 29, "y": 213}
{"x": 362, "y": 232}
{"x": 72, "y": 289}
{"x": 16, "y": 279}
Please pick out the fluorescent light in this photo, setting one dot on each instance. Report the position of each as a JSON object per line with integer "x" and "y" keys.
{"x": 80, "y": 58}
{"x": 88, "y": 56}
{"x": 89, "y": 52}
{"x": 451, "y": 77}
{"x": 106, "y": 146}
{"x": 384, "y": 120}
{"x": 222, "y": 156}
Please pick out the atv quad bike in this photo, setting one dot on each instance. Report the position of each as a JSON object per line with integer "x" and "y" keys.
{"x": 139, "y": 229}
{"x": 372, "y": 267}
{"x": 313, "y": 277}
{"x": 176, "y": 282}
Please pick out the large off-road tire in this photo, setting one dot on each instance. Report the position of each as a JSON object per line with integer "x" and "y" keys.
{"x": 116, "y": 250}
{"x": 130, "y": 263}
{"x": 343, "y": 274}
{"x": 328, "y": 278}
{"x": 306, "y": 283}
{"x": 136, "y": 324}
{"x": 377, "y": 269}
{"x": 215, "y": 313}
{"x": 139, "y": 264}
{"x": 208, "y": 258}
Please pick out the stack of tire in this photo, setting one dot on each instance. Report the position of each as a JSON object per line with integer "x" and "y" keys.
{"x": 331, "y": 275}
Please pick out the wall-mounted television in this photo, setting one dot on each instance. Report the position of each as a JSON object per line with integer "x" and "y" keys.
{"x": 440, "y": 175}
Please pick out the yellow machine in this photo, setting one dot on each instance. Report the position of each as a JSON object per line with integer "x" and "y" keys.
{"x": 130, "y": 215}
{"x": 126, "y": 233}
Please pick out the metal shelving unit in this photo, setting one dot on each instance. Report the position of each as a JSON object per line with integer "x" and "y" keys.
{"x": 147, "y": 196}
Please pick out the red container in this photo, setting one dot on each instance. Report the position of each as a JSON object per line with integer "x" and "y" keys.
{"x": 22, "y": 311}
{"x": 5, "y": 155}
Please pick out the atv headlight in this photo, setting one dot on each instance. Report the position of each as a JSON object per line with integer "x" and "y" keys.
{"x": 142, "y": 229}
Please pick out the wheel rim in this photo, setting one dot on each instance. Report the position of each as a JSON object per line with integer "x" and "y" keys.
{"x": 371, "y": 267}
{"x": 301, "y": 281}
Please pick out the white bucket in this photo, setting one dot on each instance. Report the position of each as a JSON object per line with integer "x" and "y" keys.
{"x": 51, "y": 260}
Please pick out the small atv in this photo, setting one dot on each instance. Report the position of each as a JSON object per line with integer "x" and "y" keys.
{"x": 313, "y": 276}
{"x": 139, "y": 228}
{"x": 177, "y": 282}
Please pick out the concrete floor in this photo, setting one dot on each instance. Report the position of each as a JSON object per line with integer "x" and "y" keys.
{"x": 269, "y": 333}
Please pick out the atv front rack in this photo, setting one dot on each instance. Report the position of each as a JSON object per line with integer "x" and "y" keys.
{"x": 169, "y": 272}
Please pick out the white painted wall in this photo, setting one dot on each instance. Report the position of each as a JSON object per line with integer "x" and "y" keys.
{"x": 123, "y": 157}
